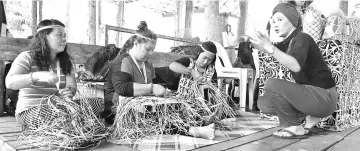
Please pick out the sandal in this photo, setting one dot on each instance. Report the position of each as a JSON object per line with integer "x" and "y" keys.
{"x": 293, "y": 135}
{"x": 316, "y": 131}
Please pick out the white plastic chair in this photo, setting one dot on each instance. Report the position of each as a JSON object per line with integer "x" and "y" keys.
{"x": 228, "y": 72}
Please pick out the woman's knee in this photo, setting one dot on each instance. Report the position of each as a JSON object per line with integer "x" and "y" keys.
{"x": 271, "y": 84}
{"x": 265, "y": 105}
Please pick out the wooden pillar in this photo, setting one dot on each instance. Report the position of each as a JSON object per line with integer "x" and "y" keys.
{"x": 120, "y": 18}
{"x": 215, "y": 22}
{"x": 67, "y": 19}
{"x": 34, "y": 15}
{"x": 92, "y": 22}
{"x": 188, "y": 19}
{"x": 243, "y": 6}
{"x": 40, "y": 11}
{"x": 179, "y": 21}
{"x": 99, "y": 20}
{"x": 2, "y": 87}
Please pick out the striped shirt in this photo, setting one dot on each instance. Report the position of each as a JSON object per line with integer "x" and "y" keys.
{"x": 32, "y": 95}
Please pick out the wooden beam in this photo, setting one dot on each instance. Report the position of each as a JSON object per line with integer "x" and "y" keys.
{"x": 131, "y": 31}
{"x": 92, "y": 22}
{"x": 34, "y": 14}
{"x": 195, "y": 11}
{"x": 120, "y": 18}
{"x": 188, "y": 19}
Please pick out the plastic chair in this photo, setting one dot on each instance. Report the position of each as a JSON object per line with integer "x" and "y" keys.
{"x": 226, "y": 71}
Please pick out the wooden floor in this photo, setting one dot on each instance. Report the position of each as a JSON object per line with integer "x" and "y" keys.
{"x": 348, "y": 140}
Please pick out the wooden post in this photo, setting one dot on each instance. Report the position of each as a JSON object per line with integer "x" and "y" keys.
{"x": 215, "y": 22}
{"x": 178, "y": 17}
{"x": 243, "y": 6}
{"x": 92, "y": 22}
{"x": 99, "y": 21}
{"x": 2, "y": 87}
{"x": 67, "y": 17}
{"x": 106, "y": 35}
{"x": 188, "y": 19}
{"x": 40, "y": 11}
{"x": 34, "y": 14}
{"x": 120, "y": 18}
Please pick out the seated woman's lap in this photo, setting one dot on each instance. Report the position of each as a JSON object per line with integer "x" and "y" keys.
{"x": 33, "y": 117}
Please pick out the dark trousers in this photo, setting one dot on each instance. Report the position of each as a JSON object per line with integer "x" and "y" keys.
{"x": 292, "y": 102}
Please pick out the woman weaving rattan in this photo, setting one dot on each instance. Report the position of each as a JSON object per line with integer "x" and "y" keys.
{"x": 130, "y": 78}
{"x": 45, "y": 77}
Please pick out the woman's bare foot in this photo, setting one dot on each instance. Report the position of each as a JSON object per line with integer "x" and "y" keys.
{"x": 311, "y": 121}
{"x": 206, "y": 132}
{"x": 297, "y": 130}
{"x": 228, "y": 121}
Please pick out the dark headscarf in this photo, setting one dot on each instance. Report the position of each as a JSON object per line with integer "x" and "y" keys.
{"x": 290, "y": 12}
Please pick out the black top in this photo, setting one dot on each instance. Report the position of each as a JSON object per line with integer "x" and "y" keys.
{"x": 314, "y": 70}
{"x": 171, "y": 78}
{"x": 123, "y": 74}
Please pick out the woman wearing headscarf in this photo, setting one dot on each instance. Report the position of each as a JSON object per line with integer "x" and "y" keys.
{"x": 313, "y": 95}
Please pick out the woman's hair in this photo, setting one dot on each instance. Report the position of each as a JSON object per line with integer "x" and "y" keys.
{"x": 209, "y": 46}
{"x": 41, "y": 52}
{"x": 142, "y": 35}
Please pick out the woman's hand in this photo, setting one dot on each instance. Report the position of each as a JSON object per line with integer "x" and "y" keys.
{"x": 66, "y": 92}
{"x": 195, "y": 74}
{"x": 261, "y": 42}
{"x": 46, "y": 76}
{"x": 158, "y": 90}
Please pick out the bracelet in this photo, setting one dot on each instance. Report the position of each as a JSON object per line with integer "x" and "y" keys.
{"x": 31, "y": 78}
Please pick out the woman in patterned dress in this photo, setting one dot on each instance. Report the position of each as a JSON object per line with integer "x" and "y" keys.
{"x": 313, "y": 95}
